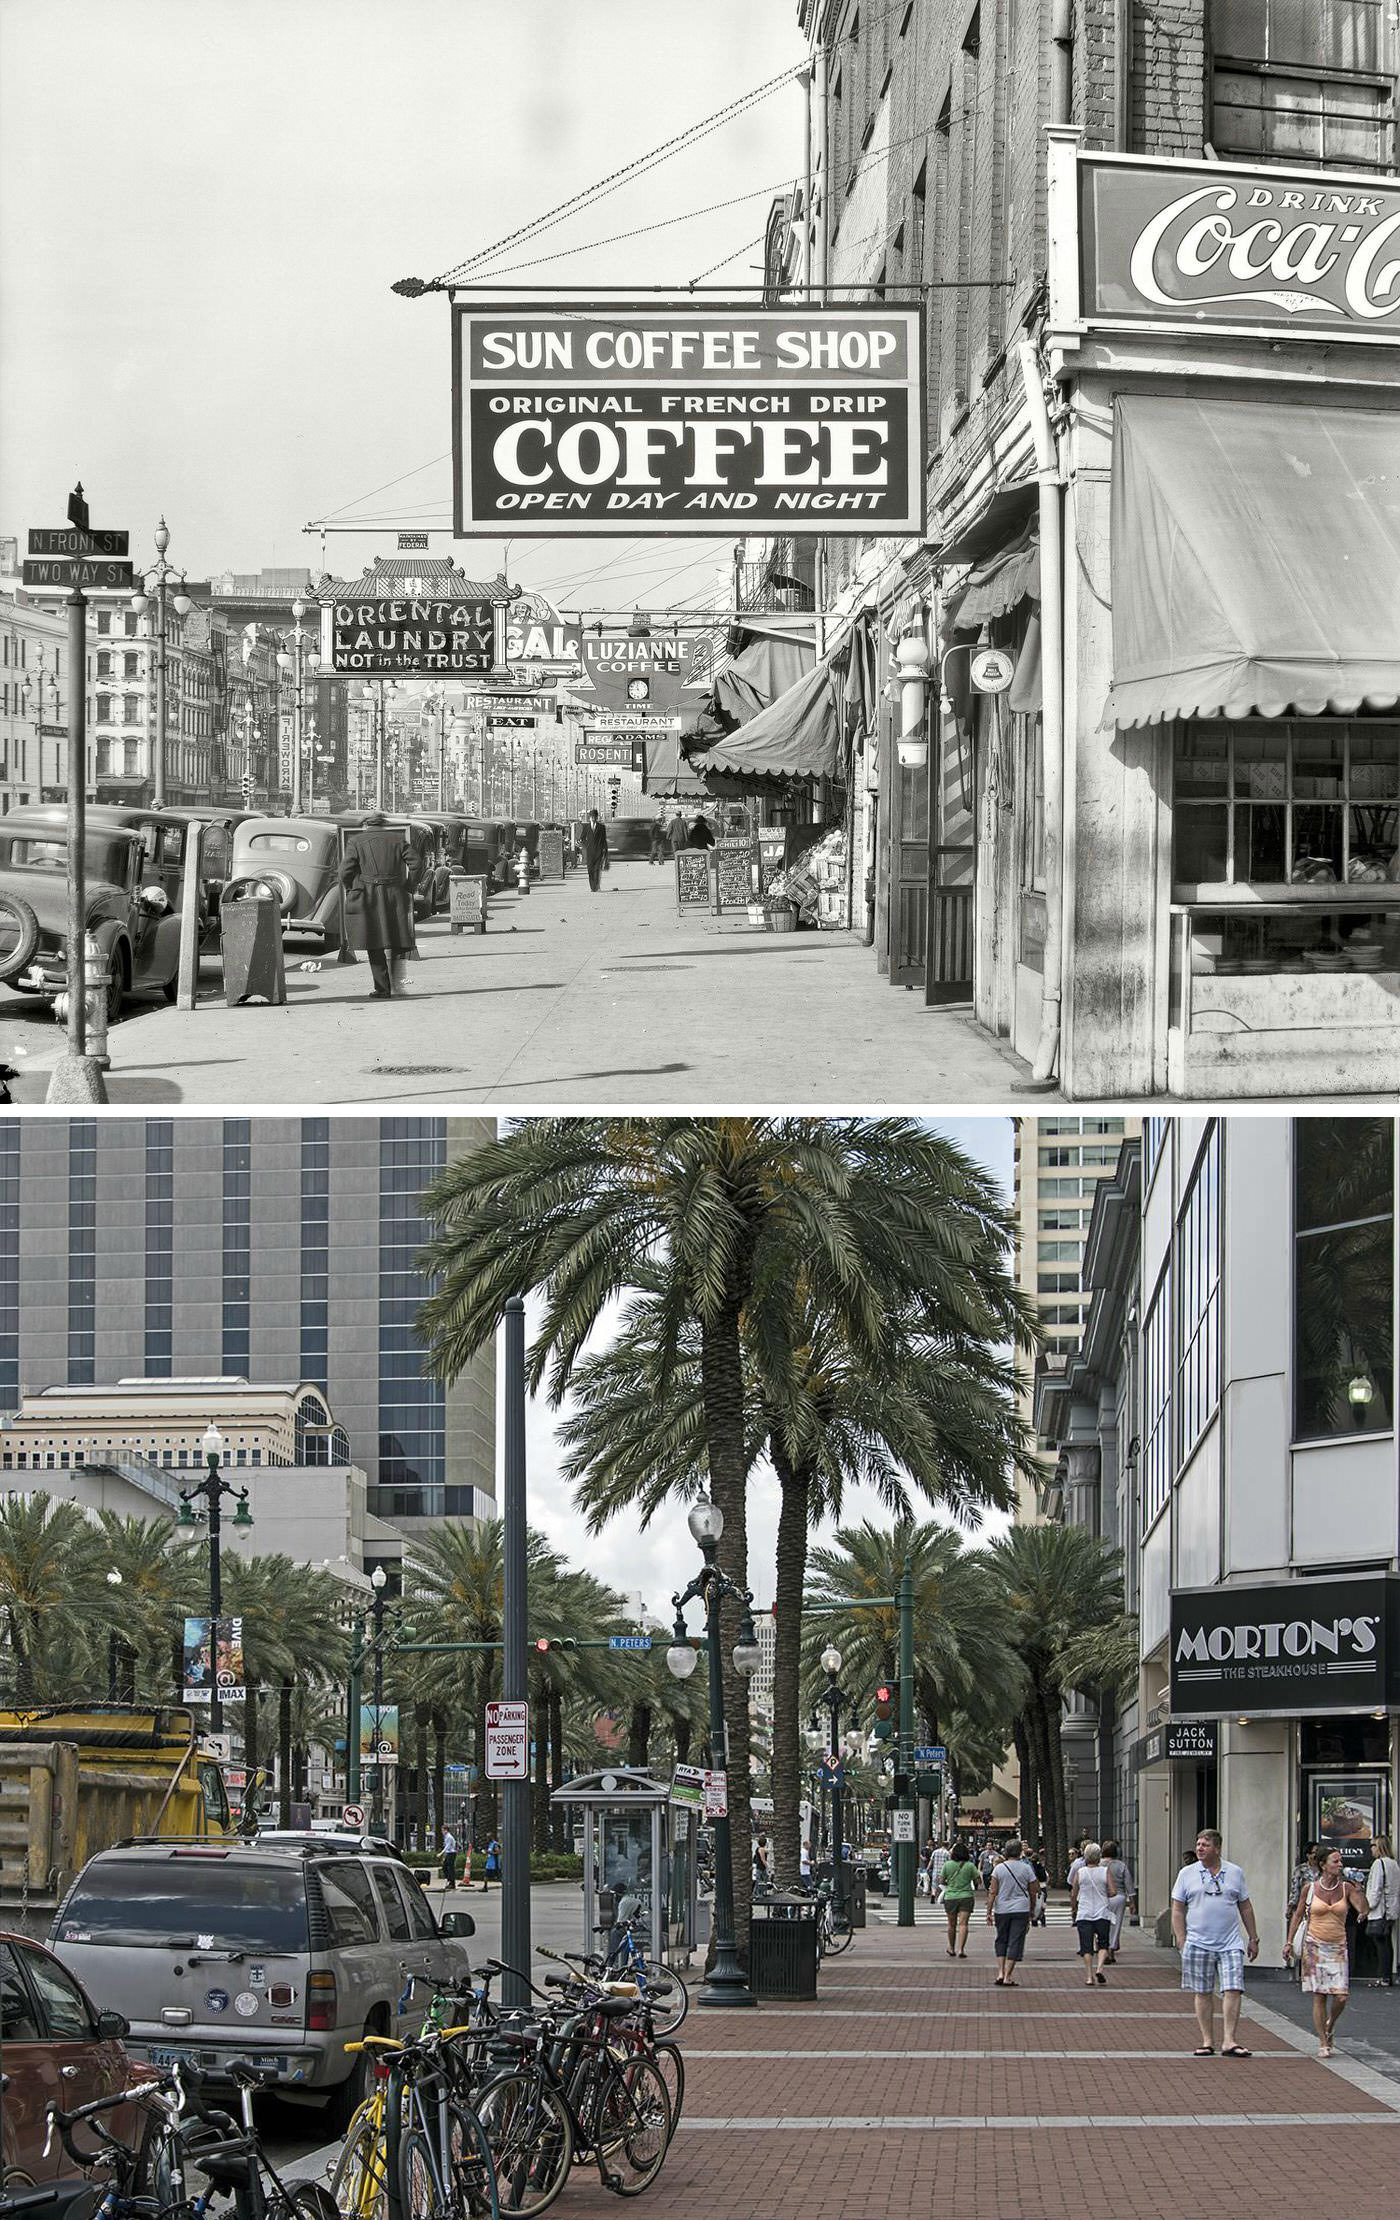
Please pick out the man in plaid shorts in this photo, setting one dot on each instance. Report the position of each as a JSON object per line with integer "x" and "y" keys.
{"x": 1211, "y": 1919}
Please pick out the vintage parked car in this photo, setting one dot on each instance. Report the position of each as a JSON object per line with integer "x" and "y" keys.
{"x": 55, "y": 2049}
{"x": 298, "y": 860}
{"x": 129, "y": 912}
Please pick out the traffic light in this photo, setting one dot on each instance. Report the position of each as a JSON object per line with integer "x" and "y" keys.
{"x": 542, "y": 1643}
{"x": 884, "y": 1711}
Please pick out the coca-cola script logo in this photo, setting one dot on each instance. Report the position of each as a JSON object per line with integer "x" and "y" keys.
{"x": 1250, "y": 244}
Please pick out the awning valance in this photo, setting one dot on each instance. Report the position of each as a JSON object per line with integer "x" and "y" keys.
{"x": 997, "y": 585}
{"x": 796, "y": 736}
{"x": 1255, "y": 558}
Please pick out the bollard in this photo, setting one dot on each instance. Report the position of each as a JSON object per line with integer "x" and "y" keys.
{"x": 522, "y": 871}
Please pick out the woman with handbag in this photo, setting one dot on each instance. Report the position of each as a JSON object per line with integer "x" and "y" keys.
{"x": 1321, "y": 1911}
{"x": 1383, "y": 1897}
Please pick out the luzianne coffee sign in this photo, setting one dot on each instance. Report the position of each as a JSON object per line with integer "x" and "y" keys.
{"x": 585, "y": 422}
{"x": 1222, "y": 243}
{"x": 1294, "y": 1646}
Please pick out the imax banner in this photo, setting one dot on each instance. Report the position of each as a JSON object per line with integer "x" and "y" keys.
{"x": 1298, "y": 1646}
{"x": 688, "y": 420}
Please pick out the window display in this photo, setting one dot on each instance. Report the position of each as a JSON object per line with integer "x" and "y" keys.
{"x": 1294, "y": 803}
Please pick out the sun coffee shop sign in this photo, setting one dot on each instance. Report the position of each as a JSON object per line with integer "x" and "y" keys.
{"x": 1298, "y": 1646}
{"x": 1222, "y": 246}
{"x": 588, "y": 421}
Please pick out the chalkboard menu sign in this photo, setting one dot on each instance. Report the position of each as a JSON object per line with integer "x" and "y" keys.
{"x": 736, "y": 873}
{"x": 551, "y": 854}
{"x": 693, "y": 879}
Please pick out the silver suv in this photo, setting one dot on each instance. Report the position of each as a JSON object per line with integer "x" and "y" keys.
{"x": 278, "y": 1953}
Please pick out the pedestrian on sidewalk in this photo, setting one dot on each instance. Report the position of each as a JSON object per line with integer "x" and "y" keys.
{"x": 1126, "y": 1899}
{"x": 1011, "y": 1903}
{"x": 805, "y": 1863}
{"x": 379, "y": 901}
{"x": 657, "y": 851}
{"x": 493, "y": 1863}
{"x": 1300, "y": 1881}
{"x": 959, "y": 1889}
{"x": 1091, "y": 1908}
{"x": 1321, "y": 1912}
{"x": 676, "y": 832}
{"x": 1383, "y": 1897}
{"x": 449, "y": 1859}
{"x": 595, "y": 849}
{"x": 762, "y": 1863}
{"x": 702, "y": 833}
{"x": 1042, "y": 1874}
{"x": 1212, "y": 1919}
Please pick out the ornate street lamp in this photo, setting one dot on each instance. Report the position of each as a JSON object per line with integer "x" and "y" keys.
{"x": 298, "y": 659}
{"x": 211, "y": 1490}
{"x": 725, "y": 1982}
{"x": 836, "y": 1700}
{"x": 158, "y": 581}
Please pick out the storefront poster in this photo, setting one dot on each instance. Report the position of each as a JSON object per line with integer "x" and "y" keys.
{"x": 199, "y": 1657}
{"x": 228, "y": 1661}
{"x": 1298, "y": 1646}
{"x": 1224, "y": 243}
{"x": 698, "y": 420}
{"x": 1346, "y": 1810}
{"x": 207, "y": 1659}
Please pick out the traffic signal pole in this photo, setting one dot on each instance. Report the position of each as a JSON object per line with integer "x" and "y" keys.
{"x": 515, "y": 1795}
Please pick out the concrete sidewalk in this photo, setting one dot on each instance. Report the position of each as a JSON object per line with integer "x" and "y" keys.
{"x": 569, "y": 998}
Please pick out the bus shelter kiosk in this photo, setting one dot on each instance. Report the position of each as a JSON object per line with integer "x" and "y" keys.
{"x": 634, "y": 1843}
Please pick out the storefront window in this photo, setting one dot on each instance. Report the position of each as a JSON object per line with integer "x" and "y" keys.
{"x": 1198, "y": 1290}
{"x": 1157, "y": 1403}
{"x": 1344, "y": 1276}
{"x": 1302, "y": 81}
{"x": 1304, "y": 802}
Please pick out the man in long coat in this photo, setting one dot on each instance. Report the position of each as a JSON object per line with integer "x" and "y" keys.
{"x": 595, "y": 848}
{"x": 379, "y": 900}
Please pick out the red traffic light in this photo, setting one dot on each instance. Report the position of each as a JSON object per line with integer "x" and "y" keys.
{"x": 542, "y": 1643}
{"x": 884, "y": 1694}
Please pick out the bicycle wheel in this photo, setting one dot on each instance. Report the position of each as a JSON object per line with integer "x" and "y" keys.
{"x": 839, "y": 1939}
{"x": 671, "y": 2066}
{"x": 531, "y": 2139}
{"x": 360, "y": 2182}
{"x": 634, "y": 2127}
{"x": 305, "y": 2200}
{"x": 469, "y": 2190}
{"x": 668, "y": 1999}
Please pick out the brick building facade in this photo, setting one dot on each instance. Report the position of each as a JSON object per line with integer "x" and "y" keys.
{"x": 1079, "y": 930}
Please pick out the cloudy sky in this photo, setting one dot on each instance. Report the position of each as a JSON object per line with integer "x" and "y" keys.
{"x": 656, "y": 1562}
{"x": 203, "y": 211}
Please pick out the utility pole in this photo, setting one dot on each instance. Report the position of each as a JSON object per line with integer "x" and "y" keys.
{"x": 515, "y": 1795}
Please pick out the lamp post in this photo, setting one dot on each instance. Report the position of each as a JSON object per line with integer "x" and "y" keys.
{"x": 724, "y": 1983}
{"x": 158, "y": 581}
{"x": 213, "y": 1488}
{"x": 114, "y": 1580}
{"x": 299, "y": 658}
{"x": 379, "y": 1581}
{"x": 836, "y": 1701}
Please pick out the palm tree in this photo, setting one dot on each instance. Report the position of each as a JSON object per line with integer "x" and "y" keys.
{"x": 146, "y": 1614}
{"x": 53, "y": 1591}
{"x": 1057, "y": 1585}
{"x": 732, "y": 1213}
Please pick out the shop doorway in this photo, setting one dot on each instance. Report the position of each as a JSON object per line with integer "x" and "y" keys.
{"x": 952, "y": 857}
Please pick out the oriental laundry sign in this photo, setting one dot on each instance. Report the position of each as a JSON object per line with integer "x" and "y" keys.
{"x": 1299, "y": 1645}
{"x": 1219, "y": 243}
{"x": 455, "y": 637}
{"x": 583, "y": 422}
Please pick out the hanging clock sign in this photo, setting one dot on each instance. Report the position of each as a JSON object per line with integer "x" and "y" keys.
{"x": 991, "y": 670}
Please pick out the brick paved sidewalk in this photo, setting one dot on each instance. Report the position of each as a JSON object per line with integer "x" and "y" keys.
{"x": 914, "y": 2085}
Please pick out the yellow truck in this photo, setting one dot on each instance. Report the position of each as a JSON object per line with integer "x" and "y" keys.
{"x": 75, "y": 1780}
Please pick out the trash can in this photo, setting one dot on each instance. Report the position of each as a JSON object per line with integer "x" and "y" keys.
{"x": 250, "y": 934}
{"x": 783, "y": 1948}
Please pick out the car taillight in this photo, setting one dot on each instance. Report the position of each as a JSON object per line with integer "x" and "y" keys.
{"x": 320, "y": 2001}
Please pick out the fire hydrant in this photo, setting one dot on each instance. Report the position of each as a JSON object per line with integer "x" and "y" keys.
{"x": 522, "y": 871}
{"x": 96, "y": 981}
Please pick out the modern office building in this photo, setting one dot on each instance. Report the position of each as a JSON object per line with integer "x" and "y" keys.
{"x": 1059, "y": 1163}
{"x": 267, "y": 1249}
{"x": 1229, "y": 1420}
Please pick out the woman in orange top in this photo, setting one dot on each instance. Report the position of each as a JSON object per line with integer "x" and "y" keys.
{"x": 1323, "y": 1906}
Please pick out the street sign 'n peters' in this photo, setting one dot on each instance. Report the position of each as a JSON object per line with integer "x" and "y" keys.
{"x": 582, "y": 422}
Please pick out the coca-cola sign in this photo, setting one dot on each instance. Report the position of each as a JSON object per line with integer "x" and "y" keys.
{"x": 1220, "y": 243}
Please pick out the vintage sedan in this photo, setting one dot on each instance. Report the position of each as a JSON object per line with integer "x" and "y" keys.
{"x": 130, "y": 915}
{"x": 298, "y": 860}
{"x": 55, "y": 2049}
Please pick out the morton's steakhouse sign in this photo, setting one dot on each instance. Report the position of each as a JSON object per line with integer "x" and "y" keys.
{"x": 1298, "y": 1646}
{"x": 1218, "y": 243}
{"x": 691, "y": 420}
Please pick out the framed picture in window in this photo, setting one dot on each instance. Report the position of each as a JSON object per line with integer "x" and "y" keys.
{"x": 1347, "y": 1808}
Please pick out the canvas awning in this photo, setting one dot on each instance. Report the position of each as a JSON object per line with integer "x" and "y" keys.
{"x": 998, "y": 584}
{"x": 796, "y": 736}
{"x": 669, "y": 773}
{"x": 1255, "y": 558}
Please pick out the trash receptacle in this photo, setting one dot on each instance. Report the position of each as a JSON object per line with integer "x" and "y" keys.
{"x": 250, "y": 934}
{"x": 783, "y": 1948}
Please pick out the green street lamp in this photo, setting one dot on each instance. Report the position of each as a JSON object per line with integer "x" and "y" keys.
{"x": 211, "y": 1490}
{"x": 836, "y": 1701}
{"x": 725, "y": 1983}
